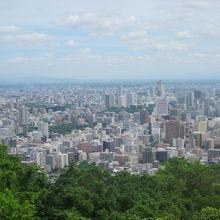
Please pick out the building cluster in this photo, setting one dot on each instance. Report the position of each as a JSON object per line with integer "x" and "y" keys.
{"x": 123, "y": 128}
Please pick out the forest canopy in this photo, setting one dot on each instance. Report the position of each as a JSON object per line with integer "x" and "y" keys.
{"x": 183, "y": 190}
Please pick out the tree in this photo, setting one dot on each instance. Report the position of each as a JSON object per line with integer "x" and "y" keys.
{"x": 210, "y": 213}
{"x": 12, "y": 208}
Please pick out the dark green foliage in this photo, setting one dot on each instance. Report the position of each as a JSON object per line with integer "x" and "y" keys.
{"x": 31, "y": 128}
{"x": 20, "y": 188}
{"x": 66, "y": 128}
{"x": 182, "y": 191}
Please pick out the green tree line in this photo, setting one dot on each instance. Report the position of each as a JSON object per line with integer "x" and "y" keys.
{"x": 66, "y": 128}
{"x": 181, "y": 191}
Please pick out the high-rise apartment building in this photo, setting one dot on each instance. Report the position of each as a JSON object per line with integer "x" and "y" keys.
{"x": 144, "y": 117}
{"x": 173, "y": 129}
{"x": 148, "y": 155}
{"x": 23, "y": 118}
{"x": 110, "y": 101}
{"x": 131, "y": 99}
{"x": 43, "y": 128}
{"x": 160, "y": 89}
{"x": 162, "y": 107}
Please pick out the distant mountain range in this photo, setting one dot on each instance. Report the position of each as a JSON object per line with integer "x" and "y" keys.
{"x": 44, "y": 80}
{"x": 34, "y": 80}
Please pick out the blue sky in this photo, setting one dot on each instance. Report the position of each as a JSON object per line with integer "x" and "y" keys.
{"x": 117, "y": 39}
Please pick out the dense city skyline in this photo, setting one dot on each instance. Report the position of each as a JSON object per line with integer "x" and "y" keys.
{"x": 97, "y": 39}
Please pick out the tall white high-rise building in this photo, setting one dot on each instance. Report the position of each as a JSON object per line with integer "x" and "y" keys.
{"x": 119, "y": 94}
{"x": 122, "y": 101}
{"x": 162, "y": 107}
{"x": 160, "y": 89}
{"x": 23, "y": 118}
{"x": 39, "y": 159}
{"x": 190, "y": 99}
{"x": 43, "y": 128}
{"x": 23, "y": 115}
{"x": 182, "y": 98}
{"x": 62, "y": 160}
{"x": 131, "y": 99}
{"x": 110, "y": 101}
{"x": 119, "y": 91}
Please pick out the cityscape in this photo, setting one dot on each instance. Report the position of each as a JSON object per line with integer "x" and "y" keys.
{"x": 134, "y": 129}
{"x": 109, "y": 110}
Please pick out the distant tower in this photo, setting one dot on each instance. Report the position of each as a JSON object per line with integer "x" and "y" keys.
{"x": 190, "y": 99}
{"x": 144, "y": 117}
{"x": 110, "y": 101}
{"x": 148, "y": 155}
{"x": 131, "y": 99}
{"x": 23, "y": 118}
{"x": 119, "y": 91}
{"x": 119, "y": 94}
{"x": 160, "y": 89}
{"x": 43, "y": 128}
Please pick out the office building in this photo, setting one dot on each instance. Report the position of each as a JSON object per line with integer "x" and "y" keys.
{"x": 160, "y": 89}
{"x": 148, "y": 155}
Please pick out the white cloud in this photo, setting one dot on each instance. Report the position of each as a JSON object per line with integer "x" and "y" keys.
{"x": 141, "y": 41}
{"x": 200, "y": 4}
{"x": 3, "y": 6}
{"x": 132, "y": 18}
{"x": 19, "y": 59}
{"x": 8, "y": 29}
{"x": 170, "y": 46}
{"x": 205, "y": 58}
{"x": 108, "y": 34}
{"x": 48, "y": 54}
{"x": 184, "y": 35}
{"x": 134, "y": 35}
{"x": 150, "y": 27}
{"x": 57, "y": 44}
{"x": 116, "y": 60}
{"x": 210, "y": 29}
{"x": 85, "y": 50}
{"x": 30, "y": 59}
{"x": 136, "y": 38}
{"x": 101, "y": 22}
{"x": 205, "y": 55}
{"x": 27, "y": 37}
{"x": 80, "y": 58}
{"x": 71, "y": 43}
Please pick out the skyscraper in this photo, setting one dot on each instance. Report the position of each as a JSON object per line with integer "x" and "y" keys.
{"x": 162, "y": 107}
{"x": 119, "y": 96}
{"x": 144, "y": 117}
{"x": 131, "y": 99}
{"x": 190, "y": 99}
{"x": 160, "y": 89}
{"x": 23, "y": 118}
{"x": 43, "y": 128}
{"x": 108, "y": 144}
{"x": 148, "y": 155}
{"x": 119, "y": 91}
{"x": 173, "y": 129}
{"x": 110, "y": 101}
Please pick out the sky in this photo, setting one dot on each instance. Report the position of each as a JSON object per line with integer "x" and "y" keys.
{"x": 110, "y": 39}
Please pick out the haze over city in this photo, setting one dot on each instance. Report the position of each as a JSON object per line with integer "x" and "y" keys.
{"x": 98, "y": 39}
